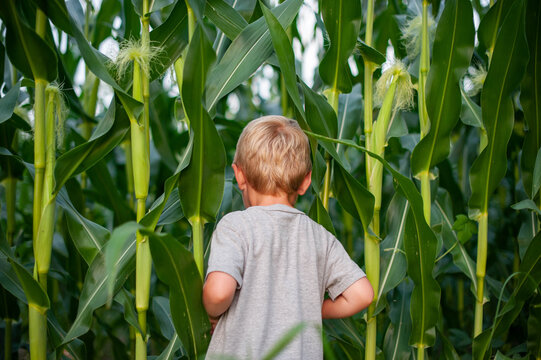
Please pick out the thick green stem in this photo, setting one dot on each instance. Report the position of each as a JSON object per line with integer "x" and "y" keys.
{"x": 198, "y": 226}
{"x": 39, "y": 152}
{"x": 37, "y": 320}
{"x": 332, "y": 97}
{"x": 420, "y": 352}
{"x": 142, "y": 278}
{"x": 140, "y": 132}
{"x": 44, "y": 241}
{"x": 368, "y": 92}
{"x": 482, "y": 244}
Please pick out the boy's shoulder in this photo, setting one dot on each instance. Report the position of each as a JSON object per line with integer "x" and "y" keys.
{"x": 255, "y": 215}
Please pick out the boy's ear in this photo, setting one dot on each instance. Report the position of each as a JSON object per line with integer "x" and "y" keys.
{"x": 305, "y": 184}
{"x": 239, "y": 175}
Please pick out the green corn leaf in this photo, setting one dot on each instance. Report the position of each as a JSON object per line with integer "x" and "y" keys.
{"x": 448, "y": 349}
{"x": 88, "y": 237}
{"x": 527, "y": 204}
{"x": 461, "y": 258}
{"x": 530, "y": 99}
{"x": 127, "y": 301}
{"x": 94, "y": 292}
{"x": 172, "y": 211}
{"x": 491, "y": 23}
{"x": 320, "y": 115}
{"x": 201, "y": 184}
{"x": 420, "y": 244}
{"x": 120, "y": 239}
{"x": 9, "y": 279}
{"x": 318, "y": 213}
{"x": 395, "y": 343}
{"x": 8, "y": 103}
{"x": 162, "y": 312}
{"x": 35, "y": 295}
{"x": 171, "y": 37}
{"x": 226, "y": 18}
{"x": 108, "y": 194}
{"x": 346, "y": 333}
{"x": 352, "y": 195}
{"x": 393, "y": 259}
{"x": 175, "y": 266}
{"x": 504, "y": 75}
{"x": 286, "y": 58}
{"x": 350, "y": 107}
{"x": 173, "y": 346}
{"x": 342, "y": 21}
{"x": 452, "y": 52}
{"x": 76, "y": 348}
{"x": 369, "y": 53}
{"x": 107, "y": 135}
{"x": 23, "y": 43}
{"x": 246, "y": 53}
{"x": 470, "y": 114}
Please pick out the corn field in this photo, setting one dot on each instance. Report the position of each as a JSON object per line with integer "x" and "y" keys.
{"x": 118, "y": 126}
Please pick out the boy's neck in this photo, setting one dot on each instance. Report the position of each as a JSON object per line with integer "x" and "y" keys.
{"x": 253, "y": 198}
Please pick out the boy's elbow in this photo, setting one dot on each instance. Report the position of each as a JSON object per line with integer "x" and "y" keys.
{"x": 367, "y": 294}
{"x": 362, "y": 294}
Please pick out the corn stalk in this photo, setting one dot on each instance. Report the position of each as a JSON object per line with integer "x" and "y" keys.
{"x": 371, "y": 241}
{"x": 140, "y": 149}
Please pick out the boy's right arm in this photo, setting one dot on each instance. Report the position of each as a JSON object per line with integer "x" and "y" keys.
{"x": 355, "y": 298}
{"x": 218, "y": 293}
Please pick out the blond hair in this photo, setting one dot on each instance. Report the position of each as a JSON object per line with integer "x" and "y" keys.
{"x": 274, "y": 154}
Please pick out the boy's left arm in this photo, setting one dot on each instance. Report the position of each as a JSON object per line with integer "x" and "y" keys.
{"x": 218, "y": 293}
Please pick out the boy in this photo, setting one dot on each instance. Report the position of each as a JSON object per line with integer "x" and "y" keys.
{"x": 270, "y": 265}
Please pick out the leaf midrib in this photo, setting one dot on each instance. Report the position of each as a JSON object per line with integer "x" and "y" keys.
{"x": 395, "y": 248}
{"x": 440, "y": 108}
{"x": 184, "y": 297}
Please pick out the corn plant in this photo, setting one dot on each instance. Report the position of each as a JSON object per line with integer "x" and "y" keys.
{"x": 426, "y": 164}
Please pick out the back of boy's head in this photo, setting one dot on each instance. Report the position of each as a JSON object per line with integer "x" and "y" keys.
{"x": 274, "y": 155}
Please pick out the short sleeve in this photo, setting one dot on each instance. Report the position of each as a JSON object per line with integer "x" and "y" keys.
{"x": 226, "y": 252}
{"x": 341, "y": 272}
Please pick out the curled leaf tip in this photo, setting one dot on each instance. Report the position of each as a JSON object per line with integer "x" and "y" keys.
{"x": 412, "y": 31}
{"x": 403, "y": 98}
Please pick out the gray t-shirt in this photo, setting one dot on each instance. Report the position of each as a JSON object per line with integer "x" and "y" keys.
{"x": 283, "y": 262}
